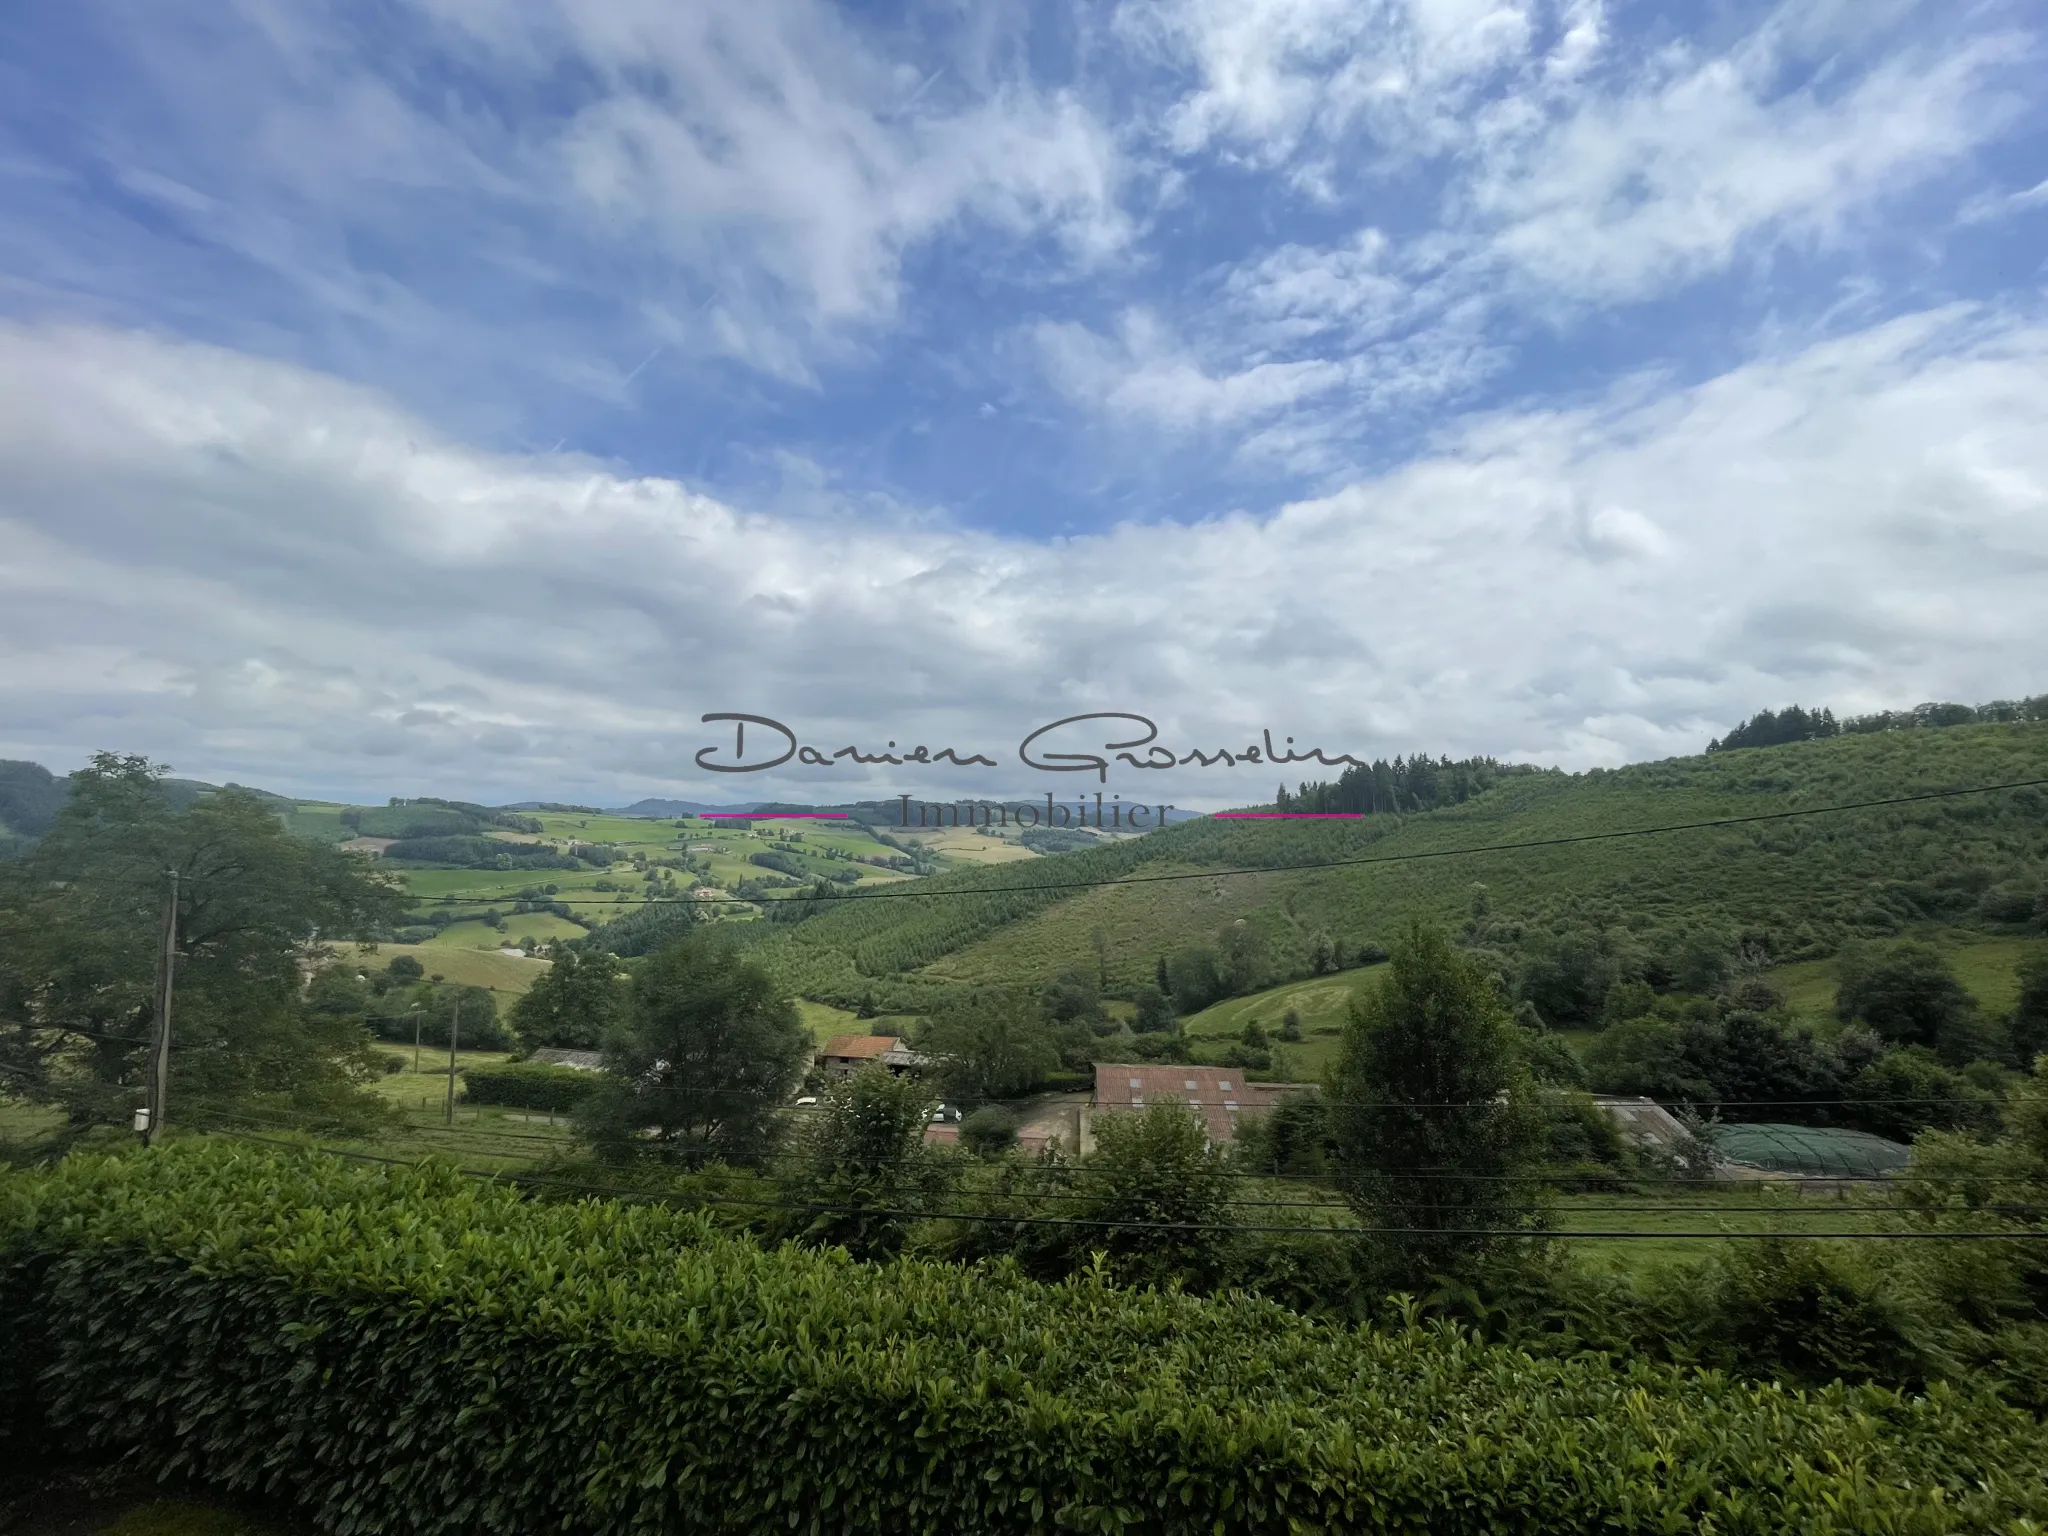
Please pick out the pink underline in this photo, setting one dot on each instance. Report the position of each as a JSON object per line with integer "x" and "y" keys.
{"x": 1290, "y": 815}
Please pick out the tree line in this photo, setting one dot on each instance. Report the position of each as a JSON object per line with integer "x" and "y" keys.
{"x": 1406, "y": 784}
{"x": 1774, "y": 728}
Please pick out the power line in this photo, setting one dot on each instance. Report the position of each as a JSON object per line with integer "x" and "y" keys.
{"x": 1110, "y": 1223}
{"x": 1074, "y": 1195}
{"x": 822, "y": 898}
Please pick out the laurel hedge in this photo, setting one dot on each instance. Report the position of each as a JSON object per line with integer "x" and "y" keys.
{"x": 398, "y": 1350}
{"x": 528, "y": 1085}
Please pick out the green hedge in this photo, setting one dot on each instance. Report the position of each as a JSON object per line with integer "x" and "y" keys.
{"x": 528, "y": 1085}
{"x": 403, "y": 1350}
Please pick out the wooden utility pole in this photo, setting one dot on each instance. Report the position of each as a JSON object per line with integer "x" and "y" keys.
{"x": 417, "y": 1013}
{"x": 160, "y": 1053}
{"x": 454, "y": 1033}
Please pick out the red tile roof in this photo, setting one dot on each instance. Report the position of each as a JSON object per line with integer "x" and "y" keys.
{"x": 1220, "y": 1095}
{"x": 859, "y": 1047}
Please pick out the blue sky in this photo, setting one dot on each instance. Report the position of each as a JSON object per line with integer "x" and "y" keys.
{"x": 1556, "y": 378}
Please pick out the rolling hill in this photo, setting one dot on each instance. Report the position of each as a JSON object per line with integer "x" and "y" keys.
{"x": 1794, "y": 889}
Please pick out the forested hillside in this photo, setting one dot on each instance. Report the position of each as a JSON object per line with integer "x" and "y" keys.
{"x": 1788, "y": 889}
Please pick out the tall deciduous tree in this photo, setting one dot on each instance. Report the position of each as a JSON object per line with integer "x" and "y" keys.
{"x": 1162, "y": 1192}
{"x": 1430, "y": 1111}
{"x": 580, "y": 1001}
{"x": 699, "y": 1071}
{"x": 859, "y": 1170}
{"x": 2027, "y": 1025}
{"x": 81, "y": 933}
{"x": 992, "y": 1046}
{"x": 1909, "y": 994}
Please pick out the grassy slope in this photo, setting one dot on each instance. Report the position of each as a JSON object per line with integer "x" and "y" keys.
{"x": 1807, "y": 884}
{"x": 508, "y": 975}
{"x": 1985, "y": 965}
{"x": 1322, "y": 1001}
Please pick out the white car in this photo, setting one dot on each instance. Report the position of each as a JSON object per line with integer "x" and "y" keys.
{"x": 806, "y": 1100}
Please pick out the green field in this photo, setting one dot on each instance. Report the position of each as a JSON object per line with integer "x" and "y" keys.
{"x": 427, "y": 1088}
{"x": 1986, "y": 966}
{"x": 825, "y": 1021}
{"x": 1323, "y": 1002}
{"x": 540, "y": 926}
{"x": 318, "y": 821}
{"x": 510, "y": 975}
{"x": 482, "y": 1136}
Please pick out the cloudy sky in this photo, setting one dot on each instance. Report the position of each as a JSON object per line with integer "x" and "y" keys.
{"x": 465, "y": 396}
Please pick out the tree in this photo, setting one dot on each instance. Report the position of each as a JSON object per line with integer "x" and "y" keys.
{"x": 1074, "y": 998}
{"x": 2027, "y": 1025}
{"x": 81, "y": 918}
{"x": 1154, "y": 1011}
{"x": 1430, "y": 1111}
{"x": 859, "y": 1171}
{"x": 577, "y": 1003}
{"x": 1906, "y": 1091}
{"x": 990, "y": 1130}
{"x": 1156, "y": 1170}
{"x": 992, "y": 1046}
{"x": 698, "y": 1071}
{"x": 1196, "y": 978}
{"x": 1290, "y": 1026}
{"x": 1567, "y": 976}
{"x": 1910, "y": 996}
{"x": 1644, "y": 1057}
{"x": 1292, "y": 1138}
{"x": 1243, "y": 967}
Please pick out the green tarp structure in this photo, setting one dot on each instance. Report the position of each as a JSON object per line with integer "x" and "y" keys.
{"x": 1809, "y": 1149}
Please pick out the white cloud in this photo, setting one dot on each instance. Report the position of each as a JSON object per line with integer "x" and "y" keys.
{"x": 1570, "y": 180}
{"x": 751, "y": 175}
{"x": 1274, "y": 76}
{"x": 258, "y": 572}
{"x": 1988, "y": 206}
{"x": 1145, "y": 374}
{"x": 1629, "y": 196}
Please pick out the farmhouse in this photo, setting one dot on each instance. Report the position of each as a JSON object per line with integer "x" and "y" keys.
{"x": 1220, "y": 1095}
{"x": 845, "y": 1055}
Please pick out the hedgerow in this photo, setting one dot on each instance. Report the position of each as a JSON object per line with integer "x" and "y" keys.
{"x": 404, "y": 1350}
{"x": 528, "y": 1085}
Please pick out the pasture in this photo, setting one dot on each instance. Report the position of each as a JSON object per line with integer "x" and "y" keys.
{"x": 1984, "y": 965}
{"x": 509, "y": 975}
{"x": 1323, "y": 1003}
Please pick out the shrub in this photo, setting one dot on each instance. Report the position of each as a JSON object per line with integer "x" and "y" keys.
{"x": 989, "y": 1130}
{"x": 1794, "y": 1310}
{"x": 528, "y": 1085}
{"x": 401, "y": 1349}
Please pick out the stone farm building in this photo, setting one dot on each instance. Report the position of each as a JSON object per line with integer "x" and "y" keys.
{"x": 1219, "y": 1095}
{"x": 844, "y": 1055}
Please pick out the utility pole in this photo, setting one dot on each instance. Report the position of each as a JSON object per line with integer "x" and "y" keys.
{"x": 160, "y": 1054}
{"x": 454, "y": 1033}
{"x": 417, "y": 1011}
